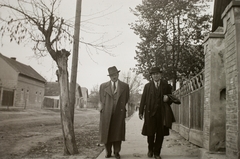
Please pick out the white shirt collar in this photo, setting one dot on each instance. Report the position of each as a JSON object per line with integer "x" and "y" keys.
{"x": 156, "y": 83}
{"x": 115, "y": 82}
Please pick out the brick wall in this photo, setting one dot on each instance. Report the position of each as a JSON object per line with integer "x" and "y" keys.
{"x": 231, "y": 25}
{"x": 215, "y": 84}
{"x": 206, "y": 118}
{"x": 221, "y": 123}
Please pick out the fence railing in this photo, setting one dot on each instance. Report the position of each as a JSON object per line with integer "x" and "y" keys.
{"x": 189, "y": 114}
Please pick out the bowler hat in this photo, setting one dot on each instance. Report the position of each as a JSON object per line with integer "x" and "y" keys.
{"x": 112, "y": 70}
{"x": 155, "y": 70}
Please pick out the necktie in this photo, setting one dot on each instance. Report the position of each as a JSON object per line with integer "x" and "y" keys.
{"x": 114, "y": 86}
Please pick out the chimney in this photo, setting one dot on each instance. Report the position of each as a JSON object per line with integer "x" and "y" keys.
{"x": 13, "y": 58}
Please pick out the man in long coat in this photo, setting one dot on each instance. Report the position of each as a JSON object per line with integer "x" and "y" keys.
{"x": 114, "y": 96}
{"x": 153, "y": 100}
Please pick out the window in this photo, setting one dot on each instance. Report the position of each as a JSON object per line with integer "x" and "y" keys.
{"x": 22, "y": 95}
{"x": 36, "y": 97}
{"x": 27, "y": 95}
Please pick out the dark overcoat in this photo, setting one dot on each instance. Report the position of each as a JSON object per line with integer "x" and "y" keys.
{"x": 148, "y": 108}
{"x": 112, "y": 121}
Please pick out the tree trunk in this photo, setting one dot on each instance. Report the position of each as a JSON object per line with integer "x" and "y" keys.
{"x": 70, "y": 147}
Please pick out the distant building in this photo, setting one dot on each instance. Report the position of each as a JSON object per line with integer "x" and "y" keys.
{"x": 51, "y": 96}
{"x": 20, "y": 85}
{"x": 52, "y": 92}
{"x": 83, "y": 100}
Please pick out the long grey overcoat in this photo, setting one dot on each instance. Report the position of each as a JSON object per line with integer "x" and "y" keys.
{"x": 112, "y": 121}
{"x": 148, "y": 108}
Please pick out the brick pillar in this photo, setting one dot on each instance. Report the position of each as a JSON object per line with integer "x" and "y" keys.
{"x": 231, "y": 22}
{"x": 214, "y": 93}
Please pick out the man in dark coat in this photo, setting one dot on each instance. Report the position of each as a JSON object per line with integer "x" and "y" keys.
{"x": 114, "y": 96}
{"x": 155, "y": 95}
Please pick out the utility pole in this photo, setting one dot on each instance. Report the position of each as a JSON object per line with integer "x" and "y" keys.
{"x": 127, "y": 79}
{"x": 75, "y": 57}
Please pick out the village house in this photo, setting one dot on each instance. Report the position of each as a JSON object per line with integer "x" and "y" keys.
{"x": 52, "y": 92}
{"x": 83, "y": 100}
{"x": 20, "y": 84}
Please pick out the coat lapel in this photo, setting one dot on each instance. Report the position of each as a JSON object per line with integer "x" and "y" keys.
{"x": 108, "y": 88}
{"x": 120, "y": 89}
{"x": 152, "y": 87}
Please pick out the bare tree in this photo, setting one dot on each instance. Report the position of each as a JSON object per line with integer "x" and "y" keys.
{"x": 94, "y": 96}
{"x": 135, "y": 83}
{"x": 35, "y": 21}
{"x": 133, "y": 80}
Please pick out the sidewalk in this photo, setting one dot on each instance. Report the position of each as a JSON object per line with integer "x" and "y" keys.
{"x": 135, "y": 146}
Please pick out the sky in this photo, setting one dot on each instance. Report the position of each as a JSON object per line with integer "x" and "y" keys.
{"x": 105, "y": 19}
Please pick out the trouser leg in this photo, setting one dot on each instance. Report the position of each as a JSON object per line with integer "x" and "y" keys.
{"x": 158, "y": 144}
{"x": 150, "y": 140}
{"x": 117, "y": 146}
{"x": 108, "y": 148}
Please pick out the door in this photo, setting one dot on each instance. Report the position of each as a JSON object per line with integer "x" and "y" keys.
{"x": 7, "y": 98}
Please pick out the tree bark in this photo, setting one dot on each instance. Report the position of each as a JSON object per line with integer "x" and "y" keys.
{"x": 69, "y": 142}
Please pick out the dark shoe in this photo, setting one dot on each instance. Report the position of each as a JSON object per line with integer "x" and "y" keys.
{"x": 108, "y": 156}
{"x": 150, "y": 154}
{"x": 117, "y": 156}
{"x": 157, "y": 157}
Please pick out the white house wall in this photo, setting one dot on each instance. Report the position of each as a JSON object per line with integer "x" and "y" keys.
{"x": 8, "y": 76}
{"x": 29, "y": 93}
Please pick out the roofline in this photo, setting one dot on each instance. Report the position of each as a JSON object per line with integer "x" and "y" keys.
{"x": 6, "y": 59}
{"x": 43, "y": 81}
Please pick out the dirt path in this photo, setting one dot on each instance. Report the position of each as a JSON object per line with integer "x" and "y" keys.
{"x": 38, "y": 133}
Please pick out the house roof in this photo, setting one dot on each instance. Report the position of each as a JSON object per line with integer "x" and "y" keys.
{"x": 52, "y": 89}
{"x": 23, "y": 69}
{"x": 219, "y": 7}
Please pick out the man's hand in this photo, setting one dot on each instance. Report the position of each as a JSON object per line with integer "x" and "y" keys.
{"x": 140, "y": 116}
{"x": 165, "y": 98}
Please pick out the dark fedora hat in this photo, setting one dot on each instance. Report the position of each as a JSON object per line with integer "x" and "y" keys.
{"x": 112, "y": 70}
{"x": 155, "y": 70}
